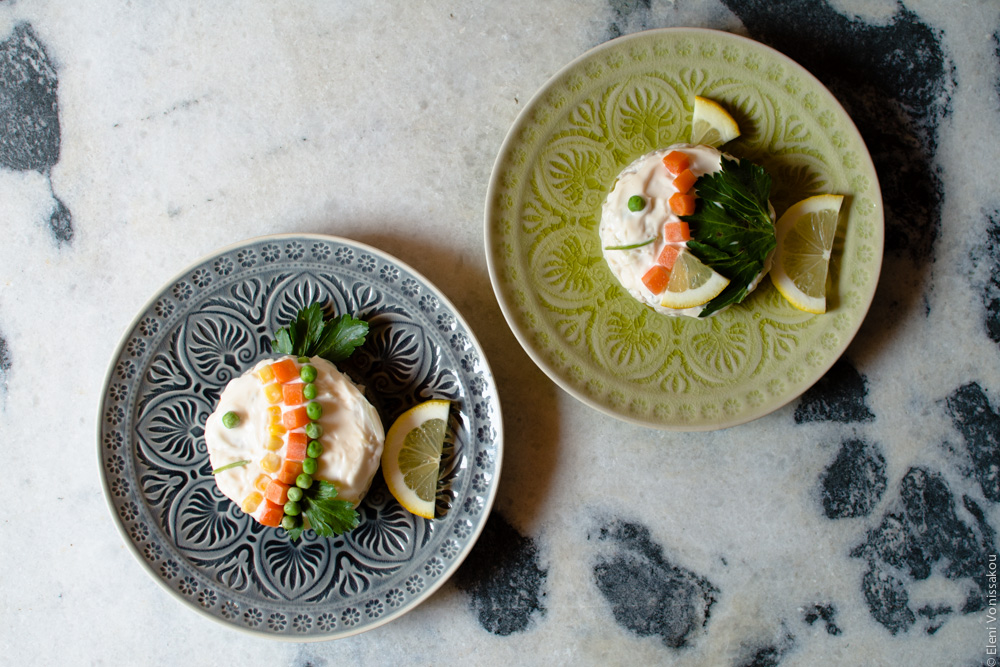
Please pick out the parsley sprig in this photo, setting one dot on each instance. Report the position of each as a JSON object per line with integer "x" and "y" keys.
{"x": 327, "y": 514}
{"x": 731, "y": 228}
{"x": 311, "y": 335}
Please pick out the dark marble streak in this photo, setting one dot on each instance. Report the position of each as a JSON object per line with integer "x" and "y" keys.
{"x": 838, "y": 396}
{"x": 854, "y": 482}
{"x": 922, "y": 535}
{"x": 5, "y": 364}
{"x": 503, "y": 578}
{"x": 769, "y": 655}
{"x": 893, "y": 80}
{"x": 649, "y": 595}
{"x": 979, "y": 425}
{"x": 823, "y": 612}
{"x": 991, "y": 292}
{"x": 29, "y": 116}
{"x": 624, "y": 10}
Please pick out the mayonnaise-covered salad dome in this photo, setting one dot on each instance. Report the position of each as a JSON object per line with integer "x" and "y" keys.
{"x": 286, "y": 423}
{"x": 645, "y": 238}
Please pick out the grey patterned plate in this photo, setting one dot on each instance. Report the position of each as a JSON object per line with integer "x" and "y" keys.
{"x": 213, "y": 322}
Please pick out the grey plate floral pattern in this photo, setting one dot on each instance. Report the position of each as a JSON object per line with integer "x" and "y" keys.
{"x": 212, "y": 323}
{"x": 559, "y": 161}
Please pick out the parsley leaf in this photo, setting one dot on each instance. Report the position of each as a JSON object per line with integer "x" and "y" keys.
{"x": 311, "y": 335}
{"x": 341, "y": 337}
{"x": 327, "y": 515}
{"x": 731, "y": 228}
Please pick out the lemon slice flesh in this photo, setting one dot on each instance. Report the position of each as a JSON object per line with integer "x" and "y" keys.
{"x": 691, "y": 283}
{"x": 805, "y": 236}
{"x": 411, "y": 458}
{"x": 711, "y": 124}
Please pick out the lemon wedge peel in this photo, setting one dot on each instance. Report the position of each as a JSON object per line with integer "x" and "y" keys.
{"x": 805, "y": 235}
{"x": 711, "y": 124}
{"x": 691, "y": 283}
{"x": 411, "y": 458}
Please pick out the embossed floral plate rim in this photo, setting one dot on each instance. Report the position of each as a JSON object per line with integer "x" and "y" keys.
{"x": 532, "y": 306}
{"x": 473, "y": 449}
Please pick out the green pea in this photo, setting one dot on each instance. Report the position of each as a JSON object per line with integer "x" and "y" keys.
{"x": 230, "y": 419}
{"x": 292, "y": 508}
{"x": 314, "y": 449}
{"x": 636, "y": 203}
{"x": 309, "y": 391}
{"x": 309, "y": 466}
{"x": 289, "y": 522}
{"x": 314, "y": 430}
{"x": 308, "y": 373}
{"x": 303, "y": 360}
{"x": 304, "y": 481}
{"x": 294, "y": 493}
{"x": 314, "y": 410}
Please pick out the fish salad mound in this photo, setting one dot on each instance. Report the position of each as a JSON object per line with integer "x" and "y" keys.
{"x": 288, "y": 422}
{"x": 646, "y": 230}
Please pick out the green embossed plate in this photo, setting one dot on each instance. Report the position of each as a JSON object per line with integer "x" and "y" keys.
{"x": 559, "y": 160}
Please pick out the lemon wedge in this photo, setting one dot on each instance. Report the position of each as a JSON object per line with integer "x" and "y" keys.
{"x": 691, "y": 283}
{"x": 805, "y": 239}
{"x": 712, "y": 125}
{"x": 411, "y": 457}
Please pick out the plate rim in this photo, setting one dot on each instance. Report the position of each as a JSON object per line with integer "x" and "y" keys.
{"x": 147, "y": 566}
{"x": 506, "y": 308}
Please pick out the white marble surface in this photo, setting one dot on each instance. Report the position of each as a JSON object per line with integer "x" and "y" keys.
{"x": 187, "y": 126}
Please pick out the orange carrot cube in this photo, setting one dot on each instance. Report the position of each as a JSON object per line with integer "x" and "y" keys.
{"x": 675, "y": 232}
{"x": 295, "y": 449}
{"x": 667, "y": 257}
{"x": 272, "y": 514}
{"x": 682, "y": 204}
{"x": 656, "y": 278}
{"x": 285, "y": 370}
{"x": 293, "y": 393}
{"x": 289, "y": 471}
{"x": 293, "y": 419}
{"x": 685, "y": 180}
{"x": 676, "y": 162}
{"x": 277, "y": 492}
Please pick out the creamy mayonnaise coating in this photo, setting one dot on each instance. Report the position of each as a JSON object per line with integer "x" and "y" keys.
{"x": 648, "y": 178}
{"x": 352, "y": 438}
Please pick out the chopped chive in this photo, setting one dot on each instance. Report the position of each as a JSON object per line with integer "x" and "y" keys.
{"x": 631, "y": 245}
{"x": 234, "y": 464}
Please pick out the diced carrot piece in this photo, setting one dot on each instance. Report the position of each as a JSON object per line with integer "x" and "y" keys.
{"x": 285, "y": 370}
{"x": 289, "y": 471}
{"x": 295, "y": 418}
{"x": 685, "y": 180}
{"x": 682, "y": 204}
{"x": 676, "y": 232}
{"x": 277, "y": 492}
{"x": 293, "y": 393}
{"x": 676, "y": 162}
{"x": 295, "y": 449}
{"x": 272, "y": 514}
{"x": 668, "y": 256}
{"x": 656, "y": 278}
